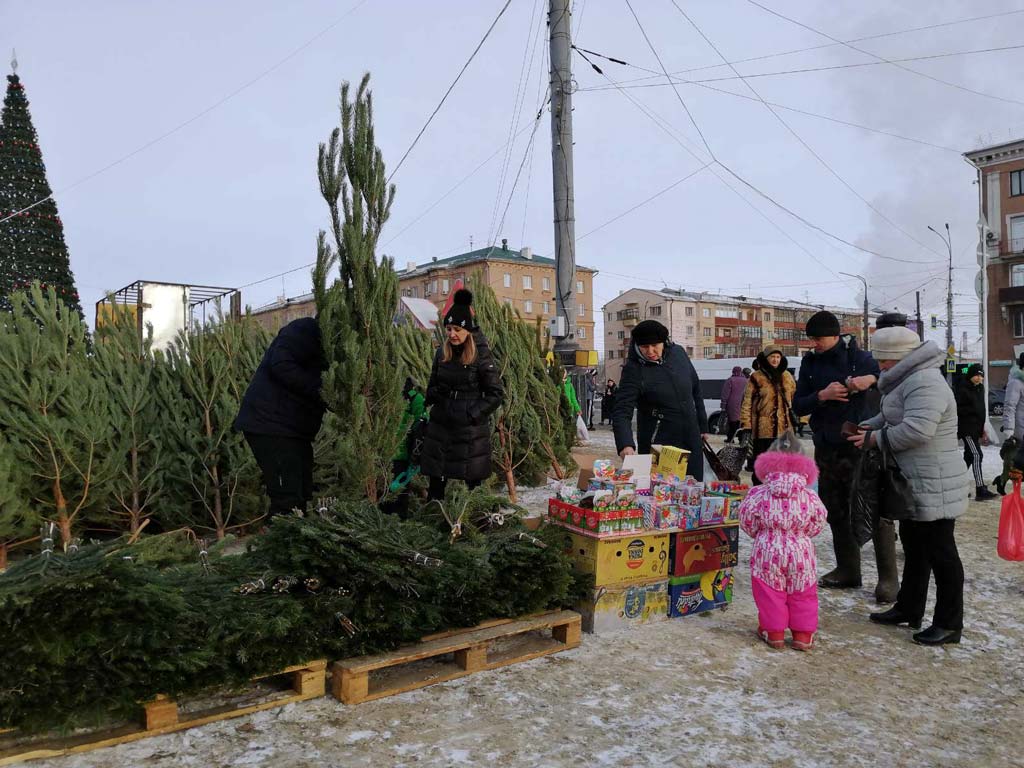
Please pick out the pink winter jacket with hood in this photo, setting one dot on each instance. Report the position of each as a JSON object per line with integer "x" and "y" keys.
{"x": 782, "y": 516}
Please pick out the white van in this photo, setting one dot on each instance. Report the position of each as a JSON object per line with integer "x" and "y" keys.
{"x": 713, "y": 375}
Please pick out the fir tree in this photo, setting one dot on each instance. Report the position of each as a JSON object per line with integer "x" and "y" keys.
{"x": 124, "y": 362}
{"x": 54, "y": 410}
{"x": 17, "y": 519}
{"x": 362, "y": 387}
{"x": 32, "y": 246}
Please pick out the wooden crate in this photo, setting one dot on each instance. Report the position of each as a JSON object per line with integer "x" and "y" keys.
{"x": 162, "y": 715}
{"x": 489, "y": 646}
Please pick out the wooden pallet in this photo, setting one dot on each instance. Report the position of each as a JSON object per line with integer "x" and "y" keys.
{"x": 161, "y": 715}
{"x": 354, "y": 681}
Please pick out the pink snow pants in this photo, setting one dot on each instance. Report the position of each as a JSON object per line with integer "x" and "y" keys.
{"x": 777, "y": 610}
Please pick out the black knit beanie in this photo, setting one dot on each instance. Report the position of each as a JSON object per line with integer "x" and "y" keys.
{"x": 891, "y": 320}
{"x": 649, "y": 332}
{"x": 823, "y": 324}
{"x": 461, "y": 313}
{"x": 975, "y": 370}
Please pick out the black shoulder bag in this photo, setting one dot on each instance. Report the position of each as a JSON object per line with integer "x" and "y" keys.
{"x": 895, "y": 498}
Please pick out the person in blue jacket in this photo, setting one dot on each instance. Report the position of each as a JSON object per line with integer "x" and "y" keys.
{"x": 834, "y": 377}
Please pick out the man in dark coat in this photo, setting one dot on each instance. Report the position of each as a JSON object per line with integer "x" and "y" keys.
{"x": 971, "y": 417}
{"x": 659, "y": 383}
{"x": 833, "y": 377}
{"x": 732, "y": 400}
{"x": 282, "y": 411}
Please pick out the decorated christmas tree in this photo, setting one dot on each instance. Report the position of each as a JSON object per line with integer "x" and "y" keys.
{"x": 32, "y": 246}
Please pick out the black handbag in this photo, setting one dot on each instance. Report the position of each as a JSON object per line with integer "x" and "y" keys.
{"x": 895, "y": 498}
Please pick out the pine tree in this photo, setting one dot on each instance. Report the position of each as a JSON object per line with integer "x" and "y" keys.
{"x": 124, "y": 362}
{"x": 362, "y": 387}
{"x": 32, "y": 246}
{"x": 17, "y": 519}
{"x": 54, "y": 410}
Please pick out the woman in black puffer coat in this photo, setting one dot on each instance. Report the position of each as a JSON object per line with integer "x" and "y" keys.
{"x": 464, "y": 390}
{"x": 659, "y": 382}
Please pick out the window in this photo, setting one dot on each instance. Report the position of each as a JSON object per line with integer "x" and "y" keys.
{"x": 707, "y": 333}
{"x": 1016, "y": 183}
{"x": 709, "y": 351}
{"x": 1017, "y": 276}
{"x": 445, "y": 286}
{"x": 1017, "y": 234}
{"x": 689, "y": 311}
{"x": 508, "y": 280}
{"x": 621, "y": 335}
{"x": 529, "y": 307}
{"x": 610, "y": 316}
{"x": 730, "y": 313}
{"x": 579, "y": 286}
{"x": 727, "y": 332}
{"x": 581, "y": 333}
{"x": 689, "y": 330}
{"x": 707, "y": 312}
{"x": 689, "y": 350}
{"x": 546, "y": 283}
{"x": 654, "y": 311}
{"x": 581, "y": 311}
{"x": 547, "y": 308}
{"x": 527, "y": 283}
{"x": 431, "y": 288}
{"x": 767, "y": 317}
{"x": 1018, "y": 323}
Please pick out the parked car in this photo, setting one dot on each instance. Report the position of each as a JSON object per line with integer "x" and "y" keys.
{"x": 996, "y": 398}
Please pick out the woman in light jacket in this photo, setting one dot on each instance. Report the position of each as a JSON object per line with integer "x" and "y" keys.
{"x": 917, "y": 429}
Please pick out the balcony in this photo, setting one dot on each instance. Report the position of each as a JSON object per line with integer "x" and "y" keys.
{"x": 628, "y": 317}
{"x": 1013, "y": 295}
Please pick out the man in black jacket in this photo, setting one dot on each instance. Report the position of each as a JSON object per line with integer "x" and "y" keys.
{"x": 971, "y": 415}
{"x": 282, "y": 411}
{"x": 833, "y": 378}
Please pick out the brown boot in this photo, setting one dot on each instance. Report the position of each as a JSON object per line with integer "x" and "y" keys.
{"x": 885, "y": 556}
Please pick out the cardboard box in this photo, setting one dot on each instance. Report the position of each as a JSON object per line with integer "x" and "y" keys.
{"x": 705, "y": 549}
{"x": 688, "y": 595}
{"x": 614, "y": 607}
{"x": 621, "y": 559}
{"x": 595, "y": 522}
{"x": 670, "y": 460}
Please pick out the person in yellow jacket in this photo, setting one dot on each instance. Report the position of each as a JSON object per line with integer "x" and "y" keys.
{"x": 767, "y": 409}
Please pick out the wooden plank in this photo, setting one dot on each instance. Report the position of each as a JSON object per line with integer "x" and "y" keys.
{"x": 569, "y": 634}
{"x": 472, "y": 659}
{"x": 457, "y": 642}
{"x": 309, "y": 681}
{"x": 454, "y": 632}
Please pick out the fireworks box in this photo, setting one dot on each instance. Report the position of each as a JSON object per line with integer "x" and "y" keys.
{"x": 622, "y": 559}
{"x": 705, "y": 549}
{"x": 594, "y": 522}
{"x": 701, "y": 592}
{"x": 615, "y": 607}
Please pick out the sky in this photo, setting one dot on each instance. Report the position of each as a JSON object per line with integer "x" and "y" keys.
{"x": 181, "y": 138}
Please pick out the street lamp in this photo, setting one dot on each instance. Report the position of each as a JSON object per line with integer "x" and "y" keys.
{"x": 949, "y": 289}
{"x": 866, "y": 310}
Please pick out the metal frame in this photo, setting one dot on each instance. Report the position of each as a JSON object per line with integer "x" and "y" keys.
{"x": 200, "y": 298}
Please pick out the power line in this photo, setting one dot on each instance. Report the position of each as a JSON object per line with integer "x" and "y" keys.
{"x": 451, "y": 88}
{"x": 882, "y": 58}
{"x": 515, "y": 183}
{"x": 184, "y": 124}
{"x": 799, "y": 138}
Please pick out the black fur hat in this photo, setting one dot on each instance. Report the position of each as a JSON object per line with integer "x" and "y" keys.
{"x": 461, "y": 313}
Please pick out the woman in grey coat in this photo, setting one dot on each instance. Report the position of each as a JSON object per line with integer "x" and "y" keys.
{"x": 917, "y": 428}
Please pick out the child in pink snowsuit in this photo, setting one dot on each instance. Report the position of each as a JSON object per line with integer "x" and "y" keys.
{"x": 782, "y": 516}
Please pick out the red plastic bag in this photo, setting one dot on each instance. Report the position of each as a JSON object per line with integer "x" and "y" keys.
{"x": 1011, "y": 526}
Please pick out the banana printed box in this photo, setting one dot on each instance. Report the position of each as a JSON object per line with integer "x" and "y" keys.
{"x": 625, "y": 605}
{"x": 622, "y": 559}
{"x": 701, "y": 592}
{"x": 705, "y": 549}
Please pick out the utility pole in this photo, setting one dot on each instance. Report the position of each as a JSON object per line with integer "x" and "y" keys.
{"x": 867, "y": 312}
{"x": 920, "y": 322}
{"x": 564, "y": 323}
{"x": 949, "y": 286}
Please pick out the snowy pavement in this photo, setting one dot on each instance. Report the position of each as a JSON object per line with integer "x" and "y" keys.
{"x": 696, "y": 691}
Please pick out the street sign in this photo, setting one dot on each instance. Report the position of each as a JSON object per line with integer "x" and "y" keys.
{"x": 979, "y": 287}
{"x": 951, "y": 351}
{"x": 950, "y": 366}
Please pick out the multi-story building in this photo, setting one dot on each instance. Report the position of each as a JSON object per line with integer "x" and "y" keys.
{"x": 518, "y": 277}
{"x": 712, "y": 326}
{"x": 420, "y": 312}
{"x": 1001, "y": 253}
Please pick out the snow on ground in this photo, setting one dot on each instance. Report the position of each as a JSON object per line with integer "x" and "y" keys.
{"x": 697, "y": 691}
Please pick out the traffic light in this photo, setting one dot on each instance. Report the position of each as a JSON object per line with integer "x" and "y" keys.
{"x": 935, "y": 322}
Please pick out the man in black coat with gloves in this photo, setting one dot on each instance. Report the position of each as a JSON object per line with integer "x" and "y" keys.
{"x": 282, "y": 412}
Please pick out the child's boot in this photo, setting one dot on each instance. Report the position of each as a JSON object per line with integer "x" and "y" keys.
{"x": 772, "y": 639}
{"x": 803, "y": 641}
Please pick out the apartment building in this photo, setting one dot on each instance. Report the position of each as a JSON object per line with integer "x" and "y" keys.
{"x": 1001, "y": 253}
{"x": 420, "y": 312}
{"x": 518, "y": 277}
{"x": 712, "y": 326}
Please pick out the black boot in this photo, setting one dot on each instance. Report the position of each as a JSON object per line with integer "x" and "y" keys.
{"x": 982, "y": 493}
{"x": 846, "y": 574}
{"x": 894, "y": 617}
{"x": 885, "y": 557}
{"x": 937, "y": 636}
{"x": 1000, "y": 485}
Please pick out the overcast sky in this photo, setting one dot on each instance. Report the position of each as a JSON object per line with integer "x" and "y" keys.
{"x": 232, "y": 197}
